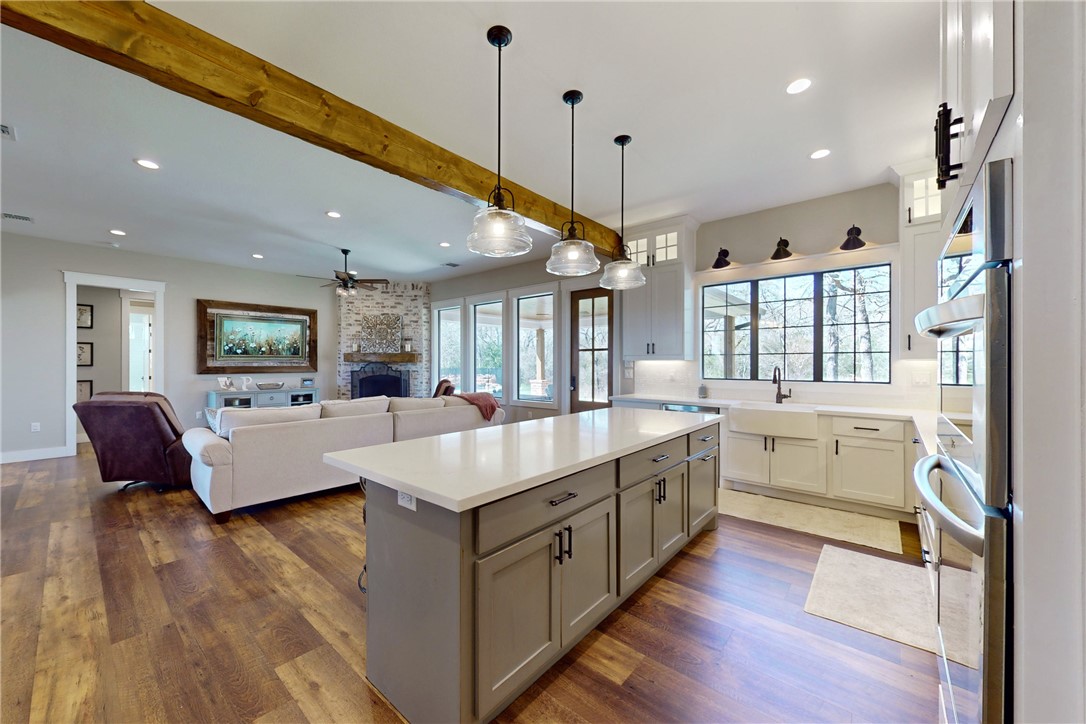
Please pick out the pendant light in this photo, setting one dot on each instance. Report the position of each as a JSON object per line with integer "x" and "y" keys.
{"x": 499, "y": 230}
{"x": 622, "y": 273}
{"x": 853, "y": 240}
{"x": 572, "y": 256}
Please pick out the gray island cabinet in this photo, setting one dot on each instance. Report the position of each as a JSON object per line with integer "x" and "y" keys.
{"x": 492, "y": 552}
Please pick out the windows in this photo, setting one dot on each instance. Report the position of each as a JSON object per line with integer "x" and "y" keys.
{"x": 535, "y": 348}
{"x": 831, "y": 326}
{"x": 487, "y": 344}
{"x": 956, "y": 353}
{"x": 448, "y": 345}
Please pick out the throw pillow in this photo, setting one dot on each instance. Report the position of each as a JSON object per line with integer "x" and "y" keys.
{"x": 350, "y": 408}
{"x": 232, "y": 417}
{"x": 211, "y": 414}
{"x": 403, "y": 404}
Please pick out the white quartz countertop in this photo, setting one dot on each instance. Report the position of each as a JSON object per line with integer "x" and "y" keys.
{"x": 925, "y": 420}
{"x": 464, "y": 470}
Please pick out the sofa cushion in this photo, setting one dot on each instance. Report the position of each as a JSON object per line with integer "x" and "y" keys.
{"x": 423, "y": 423}
{"x": 227, "y": 418}
{"x": 451, "y": 401}
{"x": 350, "y": 408}
{"x": 404, "y": 404}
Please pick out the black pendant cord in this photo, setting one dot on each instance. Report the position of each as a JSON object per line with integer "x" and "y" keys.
{"x": 572, "y": 112}
{"x": 499, "y": 117}
{"x": 622, "y": 203}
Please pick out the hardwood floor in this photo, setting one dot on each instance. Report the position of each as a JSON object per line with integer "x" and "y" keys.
{"x": 135, "y": 607}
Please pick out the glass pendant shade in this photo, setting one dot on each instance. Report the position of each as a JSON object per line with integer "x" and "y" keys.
{"x": 573, "y": 258}
{"x": 499, "y": 232}
{"x": 622, "y": 274}
{"x": 341, "y": 292}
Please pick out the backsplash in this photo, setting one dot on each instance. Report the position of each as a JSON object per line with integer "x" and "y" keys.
{"x": 411, "y": 301}
{"x": 913, "y": 386}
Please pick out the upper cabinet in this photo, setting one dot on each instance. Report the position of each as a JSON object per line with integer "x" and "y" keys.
{"x": 977, "y": 80}
{"x": 920, "y": 216}
{"x": 657, "y": 318}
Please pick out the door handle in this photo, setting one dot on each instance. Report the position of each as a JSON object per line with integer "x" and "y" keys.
{"x": 572, "y": 383}
{"x": 663, "y": 494}
{"x": 569, "y": 542}
{"x": 558, "y": 557}
{"x": 970, "y": 536}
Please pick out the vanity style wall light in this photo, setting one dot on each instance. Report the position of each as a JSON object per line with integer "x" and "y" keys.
{"x": 853, "y": 240}
{"x": 781, "y": 252}
{"x": 721, "y": 259}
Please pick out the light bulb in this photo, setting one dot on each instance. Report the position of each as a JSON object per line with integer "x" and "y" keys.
{"x": 623, "y": 273}
{"x": 574, "y": 255}
{"x": 497, "y": 229}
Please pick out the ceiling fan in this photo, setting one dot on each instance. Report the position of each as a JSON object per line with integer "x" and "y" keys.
{"x": 346, "y": 283}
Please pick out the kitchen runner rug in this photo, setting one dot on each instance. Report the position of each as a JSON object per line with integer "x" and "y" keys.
{"x": 865, "y": 530}
{"x": 894, "y": 600}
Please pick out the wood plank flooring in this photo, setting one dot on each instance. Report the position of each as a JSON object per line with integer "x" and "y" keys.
{"x": 135, "y": 607}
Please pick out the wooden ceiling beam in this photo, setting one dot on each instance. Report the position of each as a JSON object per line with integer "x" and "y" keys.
{"x": 155, "y": 45}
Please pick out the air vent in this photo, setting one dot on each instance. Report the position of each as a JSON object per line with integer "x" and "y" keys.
{"x": 451, "y": 264}
{"x": 8, "y": 132}
{"x": 18, "y": 217}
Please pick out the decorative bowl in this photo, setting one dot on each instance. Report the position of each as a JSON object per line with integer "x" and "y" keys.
{"x": 269, "y": 385}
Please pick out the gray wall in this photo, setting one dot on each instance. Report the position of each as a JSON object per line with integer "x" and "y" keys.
{"x": 32, "y": 322}
{"x": 105, "y": 335}
{"x": 811, "y": 227}
{"x": 506, "y": 277}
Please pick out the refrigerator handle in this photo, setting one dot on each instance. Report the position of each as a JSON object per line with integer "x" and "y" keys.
{"x": 961, "y": 531}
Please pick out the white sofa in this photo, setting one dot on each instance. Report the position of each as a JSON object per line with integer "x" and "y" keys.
{"x": 260, "y": 455}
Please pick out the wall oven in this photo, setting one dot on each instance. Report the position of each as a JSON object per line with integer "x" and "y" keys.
{"x": 965, "y": 488}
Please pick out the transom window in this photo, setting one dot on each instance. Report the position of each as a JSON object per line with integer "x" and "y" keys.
{"x": 667, "y": 246}
{"x": 927, "y": 199}
{"x": 831, "y": 326}
{"x": 639, "y": 250}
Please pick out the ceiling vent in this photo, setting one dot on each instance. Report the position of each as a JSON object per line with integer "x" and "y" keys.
{"x": 8, "y": 132}
{"x": 451, "y": 264}
{"x": 18, "y": 217}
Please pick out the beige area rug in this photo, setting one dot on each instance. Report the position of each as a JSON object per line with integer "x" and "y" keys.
{"x": 865, "y": 530}
{"x": 894, "y": 600}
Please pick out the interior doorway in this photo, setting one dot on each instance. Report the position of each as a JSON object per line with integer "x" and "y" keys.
{"x": 592, "y": 343}
{"x": 137, "y": 359}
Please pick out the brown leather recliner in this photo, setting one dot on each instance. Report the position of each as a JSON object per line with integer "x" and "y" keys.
{"x": 136, "y": 437}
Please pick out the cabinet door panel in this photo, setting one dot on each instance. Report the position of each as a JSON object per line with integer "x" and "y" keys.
{"x": 637, "y": 535}
{"x": 637, "y": 320}
{"x": 747, "y": 458}
{"x": 870, "y": 471}
{"x": 517, "y": 624}
{"x": 798, "y": 464}
{"x": 703, "y": 487}
{"x": 589, "y": 583}
{"x": 671, "y": 513}
{"x": 668, "y": 308}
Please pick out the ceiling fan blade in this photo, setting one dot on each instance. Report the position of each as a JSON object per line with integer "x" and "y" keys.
{"x": 330, "y": 284}
{"x": 372, "y": 281}
{"x": 343, "y": 276}
{"x": 306, "y": 276}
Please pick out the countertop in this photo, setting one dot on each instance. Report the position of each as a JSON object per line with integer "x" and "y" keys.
{"x": 464, "y": 470}
{"x": 925, "y": 420}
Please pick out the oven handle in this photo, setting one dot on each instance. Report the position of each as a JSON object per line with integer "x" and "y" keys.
{"x": 951, "y": 319}
{"x": 961, "y": 531}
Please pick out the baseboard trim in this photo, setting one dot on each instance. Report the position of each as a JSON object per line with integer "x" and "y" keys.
{"x": 22, "y": 456}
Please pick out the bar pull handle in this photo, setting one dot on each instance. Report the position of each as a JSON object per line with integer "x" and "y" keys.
{"x": 564, "y": 498}
{"x": 654, "y": 348}
{"x": 765, "y": 444}
{"x": 661, "y": 458}
{"x": 870, "y": 429}
{"x": 659, "y": 491}
{"x": 707, "y": 458}
{"x": 646, "y": 347}
{"x": 909, "y": 342}
{"x": 569, "y": 542}
{"x": 706, "y": 438}
{"x": 836, "y": 447}
{"x": 561, "y": 550}
{"x": 663, "y": 494}
{"x": 774, "y": 445}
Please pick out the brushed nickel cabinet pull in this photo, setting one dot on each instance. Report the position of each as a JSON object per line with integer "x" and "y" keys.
{"x": 706, "y": 438}
{"x": 707, "y": 458}
{"x": 661, "y": 458}
{"x": 564, "y": 498}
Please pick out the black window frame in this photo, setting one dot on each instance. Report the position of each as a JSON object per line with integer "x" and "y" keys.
{"x": 945, "y": 283}
{"x": 817, "y": 326}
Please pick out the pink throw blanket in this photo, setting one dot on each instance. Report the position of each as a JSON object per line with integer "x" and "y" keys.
{"x": 483, "y": 400}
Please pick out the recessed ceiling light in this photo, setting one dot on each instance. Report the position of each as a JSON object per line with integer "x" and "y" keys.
{"x": 258, "y": 256}
{"x": 333, "y": 214}
{"x": 821, "y": 153}
{"x": 798, "y": 86}
{"x": 444, "y": 245}
{"x": 117, "y": 232}
{"x": 147, "y": 163}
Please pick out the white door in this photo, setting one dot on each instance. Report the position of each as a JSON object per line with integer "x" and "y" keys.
{"x": 138, "y": 337}
{"x": 747, "y": 458}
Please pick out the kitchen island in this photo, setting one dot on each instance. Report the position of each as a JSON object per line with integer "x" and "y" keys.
{"x": 491, "y": 552}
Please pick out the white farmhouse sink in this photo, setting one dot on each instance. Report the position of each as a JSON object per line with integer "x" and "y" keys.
{"x": 767, "y": 418}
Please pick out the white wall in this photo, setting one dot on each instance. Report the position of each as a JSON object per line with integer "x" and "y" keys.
{"x": 32, "y": 319}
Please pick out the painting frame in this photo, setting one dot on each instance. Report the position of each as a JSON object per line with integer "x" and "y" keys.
{"x": 84, "y": 390}
{"x": 84, "y": 316}
{"x": 290, "y": 334}
{"x": 84, "y": 354}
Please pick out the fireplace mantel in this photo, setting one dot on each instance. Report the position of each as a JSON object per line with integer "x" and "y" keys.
{"x": 386, "y": 357}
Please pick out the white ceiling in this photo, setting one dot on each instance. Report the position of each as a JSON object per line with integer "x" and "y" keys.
{"x": 699, "y": 86}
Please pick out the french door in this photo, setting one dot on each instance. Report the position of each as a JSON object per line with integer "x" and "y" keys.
{"x": 592, "y": 330}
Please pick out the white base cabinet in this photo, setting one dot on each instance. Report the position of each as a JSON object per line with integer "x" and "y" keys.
{"x": 782, "y": 462}
{"x": 868, "y": 461}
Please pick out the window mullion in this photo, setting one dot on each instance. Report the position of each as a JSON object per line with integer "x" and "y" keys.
{"x": 817, "y": 331}
{"x": 754, "y": 316}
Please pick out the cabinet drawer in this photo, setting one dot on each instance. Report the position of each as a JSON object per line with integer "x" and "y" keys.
{"x": 868, "y": 427}
{"x": 637, "y": 466}
{"x": 703, "y": 439}
{"x": 512, "y": 517}
{"x": 271, "y": 399}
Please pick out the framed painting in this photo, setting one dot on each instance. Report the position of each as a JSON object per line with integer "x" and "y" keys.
{"x": 84, "y": 316}
{"x": 84, "y": 354}
{"x": 84, "y": 390}
{"x": 234, "y": 337}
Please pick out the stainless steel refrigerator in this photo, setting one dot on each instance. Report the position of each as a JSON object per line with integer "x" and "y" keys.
{"x": 965, "y": 489}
